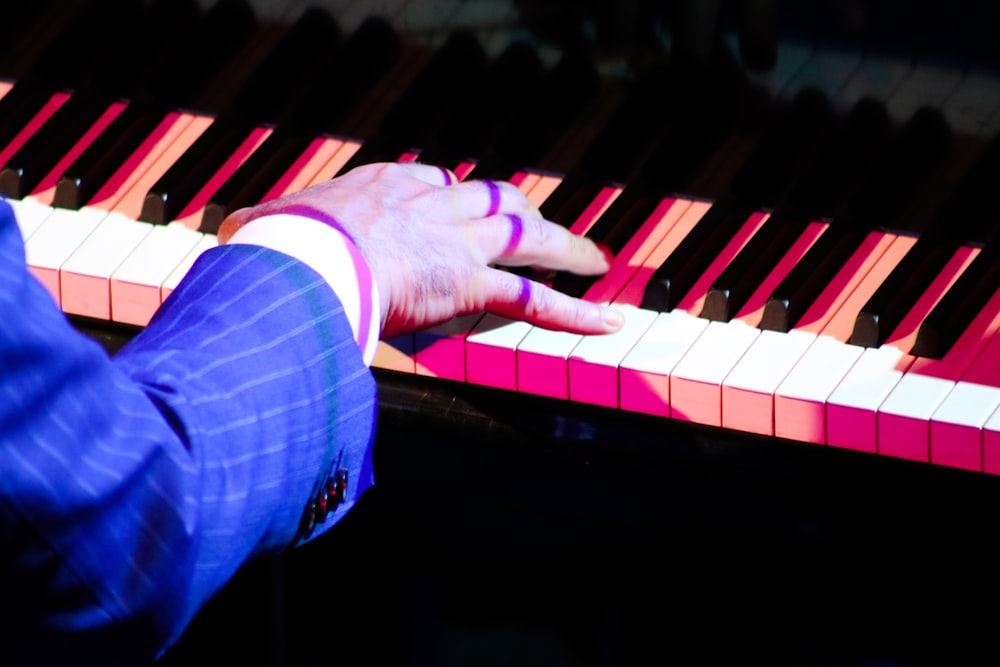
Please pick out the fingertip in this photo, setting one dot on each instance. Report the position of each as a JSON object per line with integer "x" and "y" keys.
{"x": 609, "y": 256}
{"x": 614, "y": 319}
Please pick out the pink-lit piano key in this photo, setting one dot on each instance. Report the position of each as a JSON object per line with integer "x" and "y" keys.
{"x": 39, "y": 119}
{"x": 440, "y": 350}
{"x": 207, "y": 242}
{"x": 463, "y": 169}
{"x": 337, "y": 162}
{"x": 125, "y": 190}
{"x": 46, "y": 188}
{"x": 192, "y": 214}
{"x": 136, "y": 284}
{"x": 800, "y": 399}
{"x": 525, "y": 180}
{"x": 637, "y": 254}
{"x": 644, "y": 374}
{"x": 991, "y": 444}
{"x": 491, "y": 349}
{"x": 542, "y": 362}
{"x": 747, "y": 388}
{"x": 852, "y": 407}
{"x": 905, "y": 415}
{"x": 55, "y": 240}
{"x": 593, "y": 364}
{"x": 545, "y": 358}
{"x": 544, "y": 187}
{"x": 957, "y": 425}
{"x": 696, "y": 382}
{"x": 319, "y": 152}
{"x": 636, "y": 287}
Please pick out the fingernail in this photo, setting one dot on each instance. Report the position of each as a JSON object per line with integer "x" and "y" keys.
{"x": 614, "y": 319}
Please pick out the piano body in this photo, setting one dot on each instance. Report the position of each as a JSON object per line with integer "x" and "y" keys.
{"x": 791, "y": 451}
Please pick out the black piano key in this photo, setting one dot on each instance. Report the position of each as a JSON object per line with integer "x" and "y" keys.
{"x": 559, "y": 100}
{"x": 19, "y": 21}
{"x": 414, "y": 118}
{"x": 267, "y": 96}
{"x": 741, "y": 277}
{"x": 349, "y": 78}
{"x": 211, "y": 38}
{"x": 823, "y": 187}
{"x": 185, "y": 178}
{"x": 255, "y": 176}
{"x": 19, "y": 106}
{"x": 63, "y": 65}
{"x": 675, "y": 277}
{"x": 99, "y": 162}
{"x": 86, "y": 40}
{"x": 760, "y": 182}
{"x": 956, "y": 310}
{"x": 967, "y": 219}
{"x": 40, "y": 153}
{"x": 695, "y": 129}
{"x": 130, "y": 43}
{"x": 497, "y": 97}
{"x": 341, "y": 84}
{"x": 618, "y": 152}
{"x": 887, "y": 188}
{"x": 270, "y": 93}
{"x": 201, "y": 53}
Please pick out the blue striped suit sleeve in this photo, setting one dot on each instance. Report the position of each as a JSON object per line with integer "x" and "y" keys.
{"x": 132, "y": 489}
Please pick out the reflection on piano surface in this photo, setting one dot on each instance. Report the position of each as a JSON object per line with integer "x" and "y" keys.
{"x": 805, "y": 255}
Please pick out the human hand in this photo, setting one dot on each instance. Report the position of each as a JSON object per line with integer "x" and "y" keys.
{"x": 430, "y": 242}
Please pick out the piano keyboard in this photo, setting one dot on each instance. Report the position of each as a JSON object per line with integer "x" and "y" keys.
{"x": 788, "y": 292}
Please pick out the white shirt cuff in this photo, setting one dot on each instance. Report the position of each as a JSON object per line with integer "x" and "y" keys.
{"x": 332, "y": 255}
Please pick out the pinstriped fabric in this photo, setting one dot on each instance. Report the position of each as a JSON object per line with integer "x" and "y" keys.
{"x": 132, "y": 489}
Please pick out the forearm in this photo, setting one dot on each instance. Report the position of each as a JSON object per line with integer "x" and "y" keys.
{"x": 138, "y": 486}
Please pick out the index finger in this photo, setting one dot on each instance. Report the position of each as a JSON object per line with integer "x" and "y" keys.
{"x": 518, "y": 298}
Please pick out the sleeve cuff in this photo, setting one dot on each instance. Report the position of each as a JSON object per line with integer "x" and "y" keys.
{"x": 333, "y": 255}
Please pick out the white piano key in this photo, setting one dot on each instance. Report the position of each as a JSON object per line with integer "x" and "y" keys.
{"x": 593, "y": 364}
{"x": 207, "y": 242}
{"x": 748, "y": 391}
{"x": 991, "y": 444}
{"x": 30, "y": 214}
{"x": 958, "y": 423}
{"x": 800, "y": 400}
{"x": 542, "y": 359}
{"x": 440, "y": 350}
{"x": 852, "y": 407}
{"x": 904, "y": 416}
{"x": 55, "y": 240}
{"x": 644, "y": 374}
{"x": 696, "y": 382}
{"x": 85, "y": 277}
{"x": 136, "y": 284}
{"x": 491, "y": 351}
